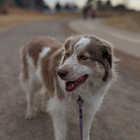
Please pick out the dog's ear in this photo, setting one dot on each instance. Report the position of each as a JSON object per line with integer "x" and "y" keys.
{"x": 107, "y": 55}
{"x": 67, "y": 42}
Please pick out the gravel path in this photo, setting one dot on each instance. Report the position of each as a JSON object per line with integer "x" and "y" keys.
{"x": 117, "y": 119}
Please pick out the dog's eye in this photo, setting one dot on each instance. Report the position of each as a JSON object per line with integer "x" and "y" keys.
{"x": 83, "y": 57}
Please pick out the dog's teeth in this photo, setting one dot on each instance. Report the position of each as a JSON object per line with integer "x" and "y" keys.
{"x": 72, "y": 85}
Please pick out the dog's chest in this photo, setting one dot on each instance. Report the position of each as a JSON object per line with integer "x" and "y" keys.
{"x": 91, "y": 103}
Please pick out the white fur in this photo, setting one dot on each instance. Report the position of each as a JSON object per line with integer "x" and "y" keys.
{"x": 91, "y": 94}
{"x": 61, "y": 110}
{"x": 43, "y": 53}
{"x": 29, "y": 87}
{"x": 77, "y": 70}
{"x": 57, "y": 110}
{"x": 83, "y": 42}
{"x": 43, "y": 90}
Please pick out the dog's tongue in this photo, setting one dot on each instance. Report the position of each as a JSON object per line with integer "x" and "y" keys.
{"x": 70, "y": 86}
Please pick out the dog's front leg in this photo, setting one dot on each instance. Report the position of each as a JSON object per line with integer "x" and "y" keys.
{"x": 57, "y": 110}
{"x": 88, "y": 116}
{"x": 59, "y": 124}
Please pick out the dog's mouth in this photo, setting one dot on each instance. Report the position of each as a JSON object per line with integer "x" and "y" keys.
{"x": 71, "y": 86}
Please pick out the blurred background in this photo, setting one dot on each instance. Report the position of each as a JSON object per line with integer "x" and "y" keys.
{"x": 126, "y": 11}
{"x": 117, "y": 21}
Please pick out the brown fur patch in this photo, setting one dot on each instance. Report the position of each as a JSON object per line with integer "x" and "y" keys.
{"x": 69, "y": 46}
{"x": 25, "y": 65}
{"x": 49, "y": 64}
{"x": 36, "y": 45}
{"x": 101, "y": 52}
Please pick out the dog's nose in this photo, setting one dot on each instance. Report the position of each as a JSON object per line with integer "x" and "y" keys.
{"x": 62, "y": 73}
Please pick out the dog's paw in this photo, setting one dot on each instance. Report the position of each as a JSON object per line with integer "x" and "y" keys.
{"x": 31, "y": 113}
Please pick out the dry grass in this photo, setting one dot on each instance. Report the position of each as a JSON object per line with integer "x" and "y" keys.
{"x": 17, "y": 17}
{"x": 128, "y": 21}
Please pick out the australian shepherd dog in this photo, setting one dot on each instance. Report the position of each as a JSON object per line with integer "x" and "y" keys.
{"x": 84, "y": 65}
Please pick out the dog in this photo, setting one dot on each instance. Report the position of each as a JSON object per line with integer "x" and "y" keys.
{"x": 84, "y": 65}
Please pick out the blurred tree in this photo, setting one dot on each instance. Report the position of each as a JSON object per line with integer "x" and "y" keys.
{"x": 46, "y": 7}
{"x": 75, "y": 7}
{"x": 67, "y": 6}
{"x": 120, "y": 8}
{"x": 7, "y": 2}
{"x": 108, "y": 6}
{"x": 91, "y": 4}
{"x": 39, "y": 4}
{"x": 58, "y": 7}
{"x": 2, "y": 2}
{"x": 31, "y": 4}
{"x": 3, "y": 10}
{"x": 71, "y": 7}
{"x": 99, "y": 5}
{"x": 126, "y": 3}
{"x": 89, "y": 1}
{"x": 19, "y": 3}
{"x": 10, "y": 2}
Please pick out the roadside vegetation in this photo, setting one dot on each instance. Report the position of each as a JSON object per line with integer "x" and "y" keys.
{"x": 128, "y": 21}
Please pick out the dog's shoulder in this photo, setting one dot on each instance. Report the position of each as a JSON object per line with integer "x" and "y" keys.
{"x": 38, "y": 45}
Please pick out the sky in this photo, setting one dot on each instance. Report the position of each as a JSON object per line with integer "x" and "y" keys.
{"x": 133, "y": 4}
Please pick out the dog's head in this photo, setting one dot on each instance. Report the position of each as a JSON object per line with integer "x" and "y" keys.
{"x": 85, "y": 58}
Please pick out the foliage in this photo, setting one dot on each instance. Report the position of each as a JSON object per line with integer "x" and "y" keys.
{"x": 89, "y": 1}
{"x": 58, "y": 7}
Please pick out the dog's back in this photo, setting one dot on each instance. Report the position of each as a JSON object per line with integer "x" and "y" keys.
{"x": 39, "y": 57}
